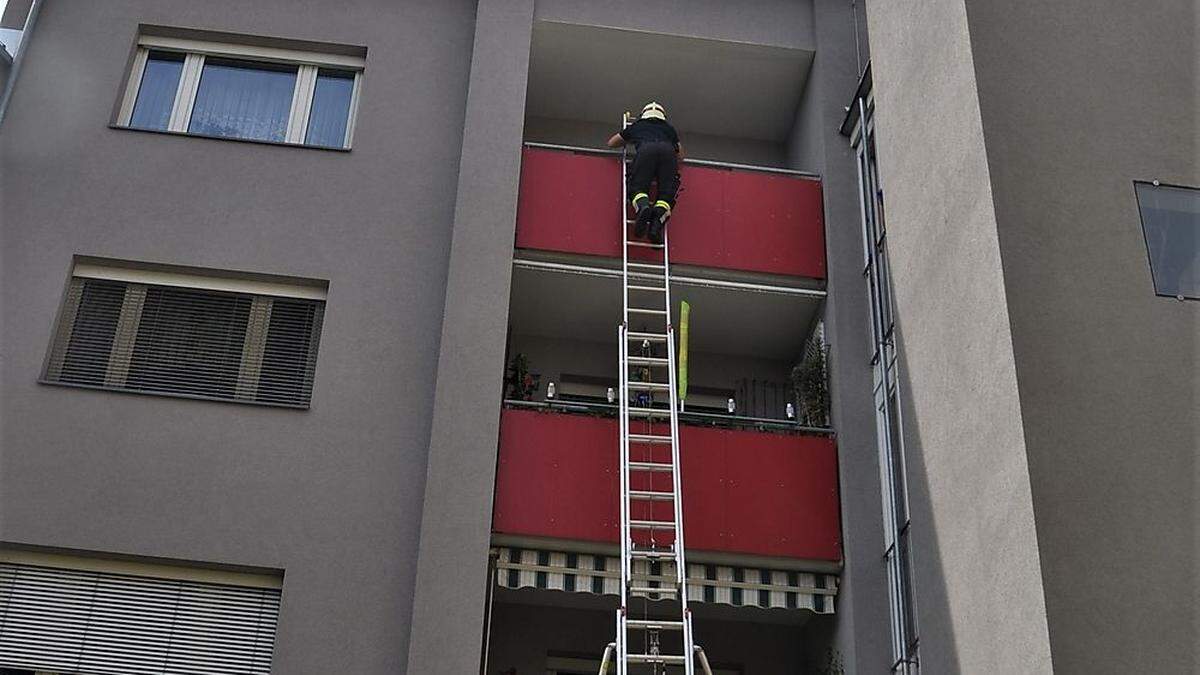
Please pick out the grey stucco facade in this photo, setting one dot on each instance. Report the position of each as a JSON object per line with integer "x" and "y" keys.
{"x": 1049, "y": 398}
{"x": 333, "y": 495}
{"x": 375, "y": 503}
{"x": 1051, "y": 411}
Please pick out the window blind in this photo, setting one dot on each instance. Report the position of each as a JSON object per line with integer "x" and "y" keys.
{"x": 102, "y": 623}
{"x": 199, "y": 343}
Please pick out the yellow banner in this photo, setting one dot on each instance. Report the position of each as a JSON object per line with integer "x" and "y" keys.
{"x": 685, "y": 311}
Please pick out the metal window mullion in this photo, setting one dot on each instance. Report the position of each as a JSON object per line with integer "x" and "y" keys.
{"x": 66, "y": 325}
{"x": 125, "y": 335}
{"x": 185, "y": 94}
{"x": 133, "y": 86}
{"x": 302, "y": 98}
{"x": 254, "y": 346}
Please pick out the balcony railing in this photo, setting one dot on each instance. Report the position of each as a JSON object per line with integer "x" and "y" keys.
{"x": 745, "y": 492}
{"x": 694, "y": 418}
{"x": 729, "y": 216}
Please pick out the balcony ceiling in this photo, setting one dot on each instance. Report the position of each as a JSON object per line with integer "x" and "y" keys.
{"x": 588, "y": 308}
{"x": 712, "y": 87}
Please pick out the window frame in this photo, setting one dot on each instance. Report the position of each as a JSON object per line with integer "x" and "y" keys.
{"x": 307, "y": 63}
{"x": 1137, "y": 198}
{"x": 261, "y": 290}
{"x": 889, "y": 422}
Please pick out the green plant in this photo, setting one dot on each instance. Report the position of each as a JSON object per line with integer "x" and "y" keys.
{"x": 521, "y": 383}
{"x": 810, "y": 383}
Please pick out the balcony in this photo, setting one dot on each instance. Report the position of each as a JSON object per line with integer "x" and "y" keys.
{"x": 744, "y": 492}
{"x": 729, "y": 217}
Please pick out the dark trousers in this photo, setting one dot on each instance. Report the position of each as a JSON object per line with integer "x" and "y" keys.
{"x": 655, "y": 161}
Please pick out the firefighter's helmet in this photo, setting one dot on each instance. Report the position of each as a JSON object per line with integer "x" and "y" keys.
{"x": 654, "y": 111}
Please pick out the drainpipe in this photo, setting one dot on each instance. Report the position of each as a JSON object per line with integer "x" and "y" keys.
{"x": 19, "y": 57}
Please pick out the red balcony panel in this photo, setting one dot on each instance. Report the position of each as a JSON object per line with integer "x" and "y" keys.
{"x": 733, "y": 219}
{"x": 744, "y": 491}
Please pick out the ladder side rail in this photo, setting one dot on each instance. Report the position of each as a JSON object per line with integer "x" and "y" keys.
{"x": 625, "y": 533}
{"x": 624, "y": 228}
{"x": 680, "y": 558}
{"x": 680, "y": 548}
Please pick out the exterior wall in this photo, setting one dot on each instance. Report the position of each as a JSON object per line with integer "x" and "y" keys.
{"x": 332, "y": 496}
{"x": 1107, "y": 372}
{"x": 860, "y": 632}
{"x": 975, "y": 550}
{"x": 5, "y": 67}
{"x": 448, "y": 612}
{"x": 14, "y": 14}
{"x": 376, "y": 500}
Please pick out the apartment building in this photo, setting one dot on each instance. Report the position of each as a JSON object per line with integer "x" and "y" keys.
{"x": 310, "y": 359}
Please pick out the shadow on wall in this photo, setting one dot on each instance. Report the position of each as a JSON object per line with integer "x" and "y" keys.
{"x": 937, "y": 650}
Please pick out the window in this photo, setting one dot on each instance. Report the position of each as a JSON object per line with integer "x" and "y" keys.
{"x": 897, "y": 526}
{"x": 235, "y": 91}
{"x": 1171, "y": 225}
{"x": 164, "y": 332}
{"x": 123, "y": 616}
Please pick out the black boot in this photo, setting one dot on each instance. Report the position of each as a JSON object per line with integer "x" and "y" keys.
{"x": 644, "y": 217}
{"x": 657, "y": 224}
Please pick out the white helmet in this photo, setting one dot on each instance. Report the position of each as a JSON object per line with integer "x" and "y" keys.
{"x": 654, "y": 111}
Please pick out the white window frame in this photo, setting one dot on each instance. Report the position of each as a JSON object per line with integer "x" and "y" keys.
{"x": 308, "y": 64}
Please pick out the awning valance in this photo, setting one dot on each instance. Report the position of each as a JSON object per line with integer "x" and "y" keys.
{"x": 730, "y": 585}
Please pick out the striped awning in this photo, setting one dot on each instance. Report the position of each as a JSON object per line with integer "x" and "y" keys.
{"x": 601, "y": 574}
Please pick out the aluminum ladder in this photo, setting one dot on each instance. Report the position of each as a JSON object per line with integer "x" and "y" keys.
{"x": 648, "y": 377}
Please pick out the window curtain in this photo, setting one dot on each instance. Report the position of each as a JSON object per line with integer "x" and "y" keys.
{"x": 240, "y": 100}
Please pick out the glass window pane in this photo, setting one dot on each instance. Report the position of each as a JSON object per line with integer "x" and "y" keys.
{"x": 156, "y": 94}
{"x": 1171, "y": 222}
{"x": 237, "y": 99}
{"x": 330, "y": 109}
{"x": 909, "y": 610}
{"x": 900, "y": 503}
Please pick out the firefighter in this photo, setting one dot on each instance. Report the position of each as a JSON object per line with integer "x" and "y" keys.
{"x": 658, "y": 155}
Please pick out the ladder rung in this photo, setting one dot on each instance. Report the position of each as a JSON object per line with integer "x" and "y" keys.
{"x": 651, "y": 524}
{"x": 665, "y": 659}
{"x": 643, "y": 244}
{"x": 647, "y": 266}
{"x": 649, "y": 412}
{"x": 653, "y": 555}
{"x": 648, "y": 361}
{"x": 653, "y": 337}
{"x": 662, "y": 590}
{"x": 650, "y": 466}
{"x": 649, "y": 386}
{"x": 646, "y": 276}
{"x": 645, "y": 624}
{"x": 647, "y": 310}
{"x": 652, "y": 496}
{"x": 656, "y": 289}
{"x": 648, "y": 438}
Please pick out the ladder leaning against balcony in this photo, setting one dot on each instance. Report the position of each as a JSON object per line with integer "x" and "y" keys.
{"x": 649, "y": 477}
